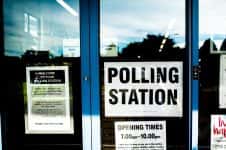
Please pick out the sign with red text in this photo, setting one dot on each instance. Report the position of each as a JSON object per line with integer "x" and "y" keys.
{"x": 134, "y": 89}
{"x": 218, "y": 132}
{"x": 140, "y": 135}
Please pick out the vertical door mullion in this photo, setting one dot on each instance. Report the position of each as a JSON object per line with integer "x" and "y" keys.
{"x": 85, "y": 74}
{"x": 195, "y": 62}
{"x": 95, "y": 69}
{"x": 189, "y": 35}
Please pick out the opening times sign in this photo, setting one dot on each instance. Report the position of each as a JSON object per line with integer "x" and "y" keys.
{"x": 140, "y": 135}
{"x": 134, "y": 89}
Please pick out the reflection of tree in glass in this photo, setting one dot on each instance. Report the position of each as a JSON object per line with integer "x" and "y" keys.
{"x": 209, "y": 64}
{"x": 223, "y": 45}
{"x": 208, "y": 95}
{"x": 150, "y": 48}
{"x": 207, "y": 45}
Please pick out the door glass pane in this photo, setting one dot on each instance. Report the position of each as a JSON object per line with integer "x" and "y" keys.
{"x": 143, "y": 87}
{"x": 42, "y": 59}
{"x": 212, "y": 33}
{"x": 33, "y": 25}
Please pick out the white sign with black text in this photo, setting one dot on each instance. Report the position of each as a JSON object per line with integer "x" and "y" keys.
{"x": 48, "y": 100}
{"x": 144, "y": 89}
{"x": 222, "y": 83}
{"x": 140, "y": 135}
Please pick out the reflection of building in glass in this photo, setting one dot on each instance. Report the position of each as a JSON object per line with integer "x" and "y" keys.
{"x": 33, "y": 26}
{"x": 40, "y": 25}
{"x": 110, "y": 50}
{"x": 71, "y": 47}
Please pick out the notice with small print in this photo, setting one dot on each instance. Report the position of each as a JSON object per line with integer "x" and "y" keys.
{"x": 222, "y": 82}
{"x": 218, "y": 132}
{"x": 140, "y": 135}
{"x": 143, "y": 89}
{"x": 48, "y": 100}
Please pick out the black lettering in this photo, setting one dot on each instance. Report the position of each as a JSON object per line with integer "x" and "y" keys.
{"x": 172, "y": 97}
{"x": 124, "y": 75}
{"x": 152, "y": 75}
{"x": 112, "y": 72}
{"x": 123, "y": 91}
{"x": 134, "y": 80}
{"x": 161, "y": 75}
{"x": 173, "y": 75}
{"x": 150, "y": 96}
{"x": 133, "y": 97}
{"x": 143, "y": 91}
{"x": 114, "y": 99}
{"x": 160, "y": 96}
{"x": 143, "y": 80}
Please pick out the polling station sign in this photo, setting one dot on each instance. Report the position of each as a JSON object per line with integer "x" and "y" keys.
{"x": 146, "y": 89}
{"x": 140, "y": 135}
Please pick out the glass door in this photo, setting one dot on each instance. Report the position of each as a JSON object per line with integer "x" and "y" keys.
{"x": 143, "y": 75}
{"x": 212, "y": 60}
{"x": 42, "y": 71}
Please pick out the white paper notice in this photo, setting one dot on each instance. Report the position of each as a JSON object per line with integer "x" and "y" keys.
{"x": 143, "y": 89}
{"x": 140, "y": 135}
{"x": 218, "y": 132}
{"x": 222, "y": 83}
{"x": 48, "y": 100}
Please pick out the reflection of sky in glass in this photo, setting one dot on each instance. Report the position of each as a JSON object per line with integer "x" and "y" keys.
{"x": 49, "y": 25}
{"x": 212, "y": 21}
{"x": 124, "y": 21}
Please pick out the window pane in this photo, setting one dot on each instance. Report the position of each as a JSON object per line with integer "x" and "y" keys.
{"x": 46, "y": 25}
{"x": 125, "y": 23}
{"x": 212, "y": 34}
{"x": 138, "y": 38}
{"x": 25, "y": 22}
{"x": 42, "y": 45}
{"x": 212, "y": 24}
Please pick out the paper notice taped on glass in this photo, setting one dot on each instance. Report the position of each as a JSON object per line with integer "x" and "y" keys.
{"x": 48, "y": 100}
